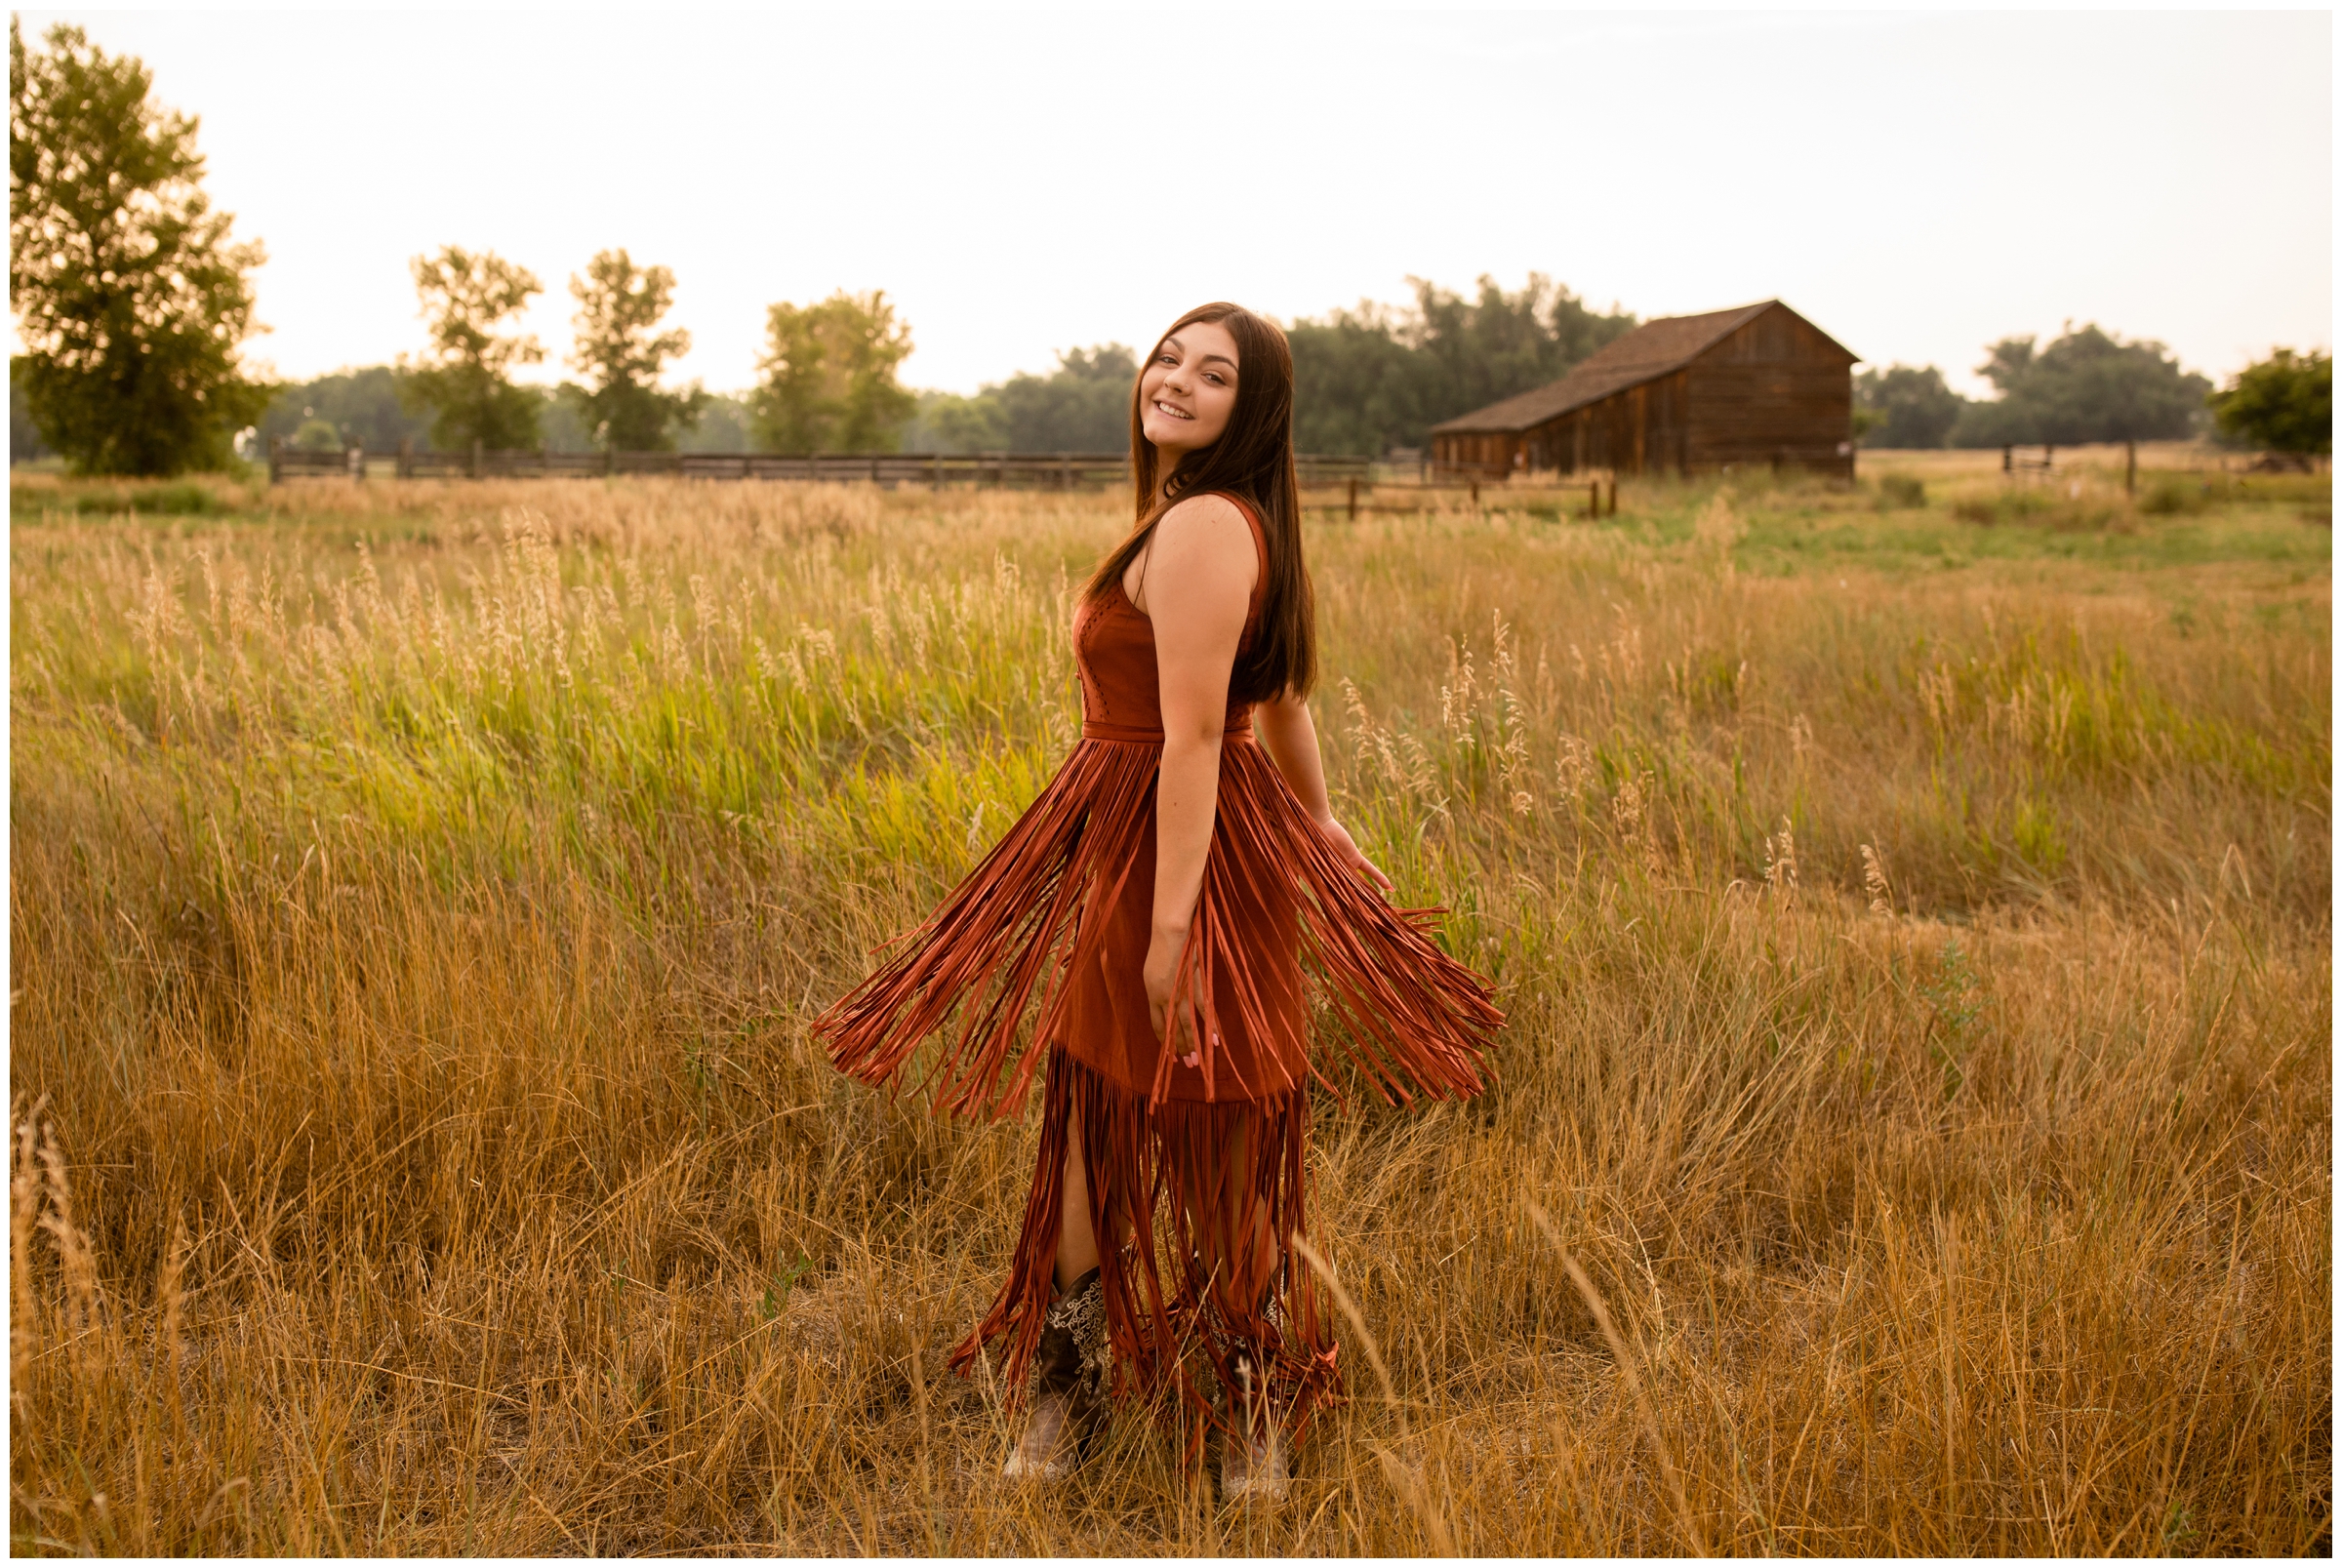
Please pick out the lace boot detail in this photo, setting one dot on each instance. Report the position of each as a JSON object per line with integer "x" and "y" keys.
{"x": 1065, "y": 1399}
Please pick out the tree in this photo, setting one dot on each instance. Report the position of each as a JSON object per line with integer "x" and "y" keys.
{"x": 131, "y": 301}
{"x": 1908, "y": 407}
{"x": 2085, "y": 387}
{"x": 621, "y": 354}
{"x": 1373, "y": 377}
{"x": 25, "y": 443}
{"x": 317, "y": 435}
{"x": 947, "y": 422}
{"x": 2284, "y": 403}
{"x": 466, "y": 380}
{"x": 363, "y": 405}
{"x": 723, "y": 425}
{"x": 1358, "y": 386}
{"x": 830, "y": 378}
{"x": 1083, "y": 405}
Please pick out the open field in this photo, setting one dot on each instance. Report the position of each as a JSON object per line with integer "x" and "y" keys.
{"x": 1913, "y": 912}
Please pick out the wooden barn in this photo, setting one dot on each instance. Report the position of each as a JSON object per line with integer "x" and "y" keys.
{"x": 1757, "y": 385}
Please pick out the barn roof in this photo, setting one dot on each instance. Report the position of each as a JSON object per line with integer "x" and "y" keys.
{"x": 1651, "y": 350}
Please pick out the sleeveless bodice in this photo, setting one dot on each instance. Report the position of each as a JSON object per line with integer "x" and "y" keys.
{"x": 1113, "y": 646}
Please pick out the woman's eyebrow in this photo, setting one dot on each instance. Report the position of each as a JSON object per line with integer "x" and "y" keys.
{"x": 1223, "y": 358}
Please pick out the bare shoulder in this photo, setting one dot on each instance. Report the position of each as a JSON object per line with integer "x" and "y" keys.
{"x": 1208, "y": 522}
{"x": 1202, "y": 551}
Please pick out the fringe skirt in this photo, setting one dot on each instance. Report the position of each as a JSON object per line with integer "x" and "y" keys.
{"x": 1202, "y": 1162}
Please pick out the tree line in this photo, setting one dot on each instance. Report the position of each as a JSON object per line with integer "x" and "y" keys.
{"x": 2090, "y": 385}
{"x": 134, "y": 302}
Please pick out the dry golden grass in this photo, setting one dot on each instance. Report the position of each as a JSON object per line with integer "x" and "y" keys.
{"x": 1912, "y": 1132}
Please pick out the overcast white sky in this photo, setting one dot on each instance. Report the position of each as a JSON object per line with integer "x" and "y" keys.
{"x": 1916, "y": 183}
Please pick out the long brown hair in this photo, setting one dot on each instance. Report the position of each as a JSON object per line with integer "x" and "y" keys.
{"x": 1253, "y": 459}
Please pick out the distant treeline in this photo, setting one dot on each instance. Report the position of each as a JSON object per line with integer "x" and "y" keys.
{"x": 1367, "y": 379}
{"x": 2088, "y": 385}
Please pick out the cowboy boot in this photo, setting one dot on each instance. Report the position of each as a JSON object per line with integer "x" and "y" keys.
{"x": 1067, "y": 1395}
{"x": 1252, "y": 1458}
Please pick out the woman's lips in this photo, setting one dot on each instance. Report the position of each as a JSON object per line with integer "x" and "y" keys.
{"x": 1169, "y": 412}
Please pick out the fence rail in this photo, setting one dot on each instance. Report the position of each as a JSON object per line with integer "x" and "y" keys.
{"x": 1012, "y": 470}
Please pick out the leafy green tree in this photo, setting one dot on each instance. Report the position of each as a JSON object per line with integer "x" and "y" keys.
{"x": 2085, "y": 387}
{"x": 723, "y": 425}
{"x": 131, "y": 301}
{"x": 1907, "y": 407}
{"x": 1083, "y": 405}
{"x": 25, "y": 443}
{"x": 621, "y": 353}
{"x": 2284, "y": 403}
{"x": 1374, "y": 377}
{"x": 948, "y": 422}
{"x": 830, "y": 378}
{"x": 466, "y": 381}
{"x": 317, "y": 435}
{"x": 362, "y": 405}
{"x": 1358, "y": 386}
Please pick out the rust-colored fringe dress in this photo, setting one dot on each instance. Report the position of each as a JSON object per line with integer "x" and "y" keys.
{"x": 1054, "y": 925}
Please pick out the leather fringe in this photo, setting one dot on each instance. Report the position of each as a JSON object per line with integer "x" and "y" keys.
{"x": 1415, "y": 1021}
{"x": 1191, "y": 1203}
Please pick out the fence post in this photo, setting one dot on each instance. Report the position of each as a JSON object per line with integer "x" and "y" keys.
{"x": 2130, "y": 467}
{"x": 2009, "y": 460}
{"x": 406, "y": 456}
{"x": 276, "y": 460}
{"x": 935, "y": 471}
{"x": 1614, "y": 495}
{"x": 1353, "y": 500}
{"x": 356, "y": 459}
{"x": 1593, "y": 499}
{"x": 610, "y": 461}
{"x": 1475, "y": 492}
{"x": 477, "y": 447}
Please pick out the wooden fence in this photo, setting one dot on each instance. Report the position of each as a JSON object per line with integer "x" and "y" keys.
{"x": 1009, "y": 470}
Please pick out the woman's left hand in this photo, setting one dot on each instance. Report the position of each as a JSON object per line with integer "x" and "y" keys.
{"x": 1158, "y": 973}
{"x": 1351, "y": 856}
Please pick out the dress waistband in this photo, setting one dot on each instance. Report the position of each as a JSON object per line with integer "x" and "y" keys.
{"x": 1092, "y": 729}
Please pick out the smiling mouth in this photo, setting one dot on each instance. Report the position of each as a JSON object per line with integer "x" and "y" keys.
{"x": 1171, "y": 412}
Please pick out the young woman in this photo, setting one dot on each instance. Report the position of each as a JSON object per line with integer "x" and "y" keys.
{"x": 1152, "y": 913}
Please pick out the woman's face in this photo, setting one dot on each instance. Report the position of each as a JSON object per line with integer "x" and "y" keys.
{"x": 1189, "y": 391}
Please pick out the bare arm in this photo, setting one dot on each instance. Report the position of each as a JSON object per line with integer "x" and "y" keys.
{"x": 1291, "y": 742}
{"x": 1198, "y": 582}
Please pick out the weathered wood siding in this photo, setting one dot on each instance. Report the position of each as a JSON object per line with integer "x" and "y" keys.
{"x": 1776, "y": 392}
{"x": 1639, "y": 430}
{"x": 1496, "y": 452}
